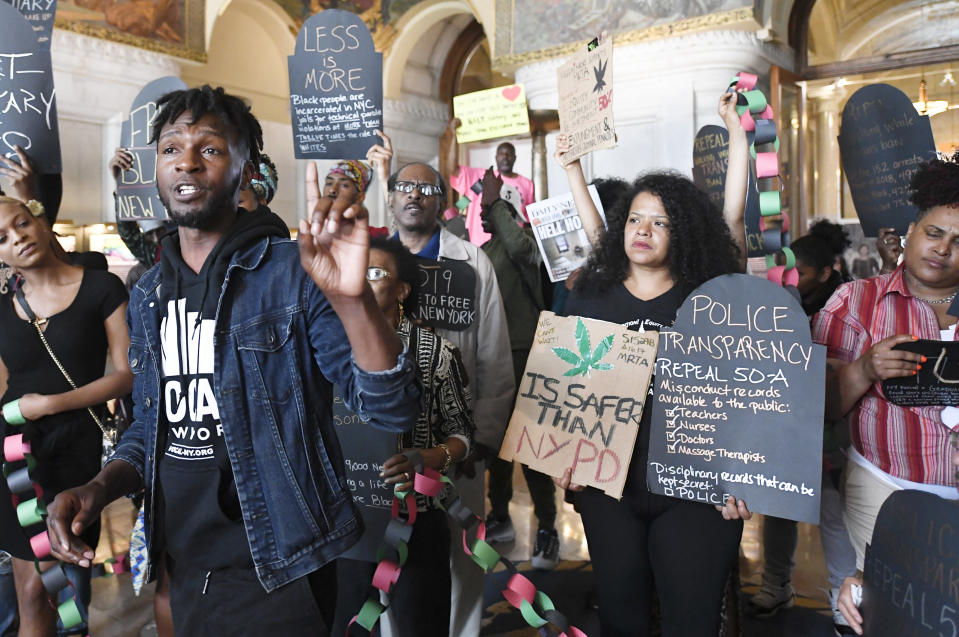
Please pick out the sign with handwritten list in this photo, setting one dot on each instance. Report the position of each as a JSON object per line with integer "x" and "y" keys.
{"x": 40, "y": 15}
{"x": 444, "y": 296}
{"x": 580, "y": 400}
{"x": 28, "y": 108}
{"x": 585, "y": 86}
{"x": 493, "y": 113}
{"x": 710, "y": 161}
{"x": 882, "y": 141}
{"x": 137, "y": 196}
{"x": 336, "y": 88}
{"x": 911, "y": 575}
{"x": 365, "y": 449}
{"x": 738, "y": 403}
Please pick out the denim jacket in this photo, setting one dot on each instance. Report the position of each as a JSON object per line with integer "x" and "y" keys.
{"x": 278, "y": 345}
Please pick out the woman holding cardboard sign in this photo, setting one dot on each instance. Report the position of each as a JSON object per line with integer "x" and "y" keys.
{"x": 642, "y": 268}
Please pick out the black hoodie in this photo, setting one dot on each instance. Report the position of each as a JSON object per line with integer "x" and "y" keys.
{"x": 199, "y": 503}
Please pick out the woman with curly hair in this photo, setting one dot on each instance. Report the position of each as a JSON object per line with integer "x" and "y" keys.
{"x": 664, "y": 239}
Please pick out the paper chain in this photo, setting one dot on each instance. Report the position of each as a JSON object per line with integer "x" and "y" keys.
{"x": 535, "y": 606}
{"x": 756, "y": 117}
{"x": 19, "y": 463}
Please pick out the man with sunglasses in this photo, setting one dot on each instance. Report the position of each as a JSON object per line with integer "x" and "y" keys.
{"x": 417, "y": 194}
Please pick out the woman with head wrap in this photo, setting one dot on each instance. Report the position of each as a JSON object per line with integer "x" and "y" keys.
{"x": 348, "y": 177}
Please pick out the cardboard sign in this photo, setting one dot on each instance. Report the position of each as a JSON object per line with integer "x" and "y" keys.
{"x": 28, "y": 108}
{"x": 936, "y": 384}
{"x": 581, "y": 400}
{"x": 445, "y": 294}
{"x": 586, "y": 100}
{"x": 559, "y": 233}
{"x": 739, "y": 401}
{"x": 882, "y": 141}
{"x": 495, "y": 112}
{"x": 910, "y": 571}
{"x": 336, "y": 88}
{"x": 137, "y": 196}
{"x": 40, "y": 15}
{"x": 365, "y": 449}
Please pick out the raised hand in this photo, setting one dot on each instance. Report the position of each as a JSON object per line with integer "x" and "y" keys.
{"x": 562, "y": 147}
{"x": 727, "y": 111}
{"x": 335, "y": 242}
{"x": 889, "y": 246}
{"x": 23, "y": 180}
{"x": 380, "y": 157}
{"x": 121, "y": 160}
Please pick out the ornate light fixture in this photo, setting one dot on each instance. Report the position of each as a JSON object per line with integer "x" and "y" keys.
{"x": 924, "y": 106}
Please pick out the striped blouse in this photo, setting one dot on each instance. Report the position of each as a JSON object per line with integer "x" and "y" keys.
{"x": 911, "y": 443}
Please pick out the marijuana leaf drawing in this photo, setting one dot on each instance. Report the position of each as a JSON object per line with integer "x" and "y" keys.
{"x": 588, "y": 358}
{"x": 599, "y": 72}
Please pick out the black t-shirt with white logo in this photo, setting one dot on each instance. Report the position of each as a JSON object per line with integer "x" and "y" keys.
{"x": 202, "y": 519}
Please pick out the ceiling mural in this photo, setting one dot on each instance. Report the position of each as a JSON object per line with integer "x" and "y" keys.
{"x": 175, "y": 27}
{"x": 379, "y": 15}
{"x": 520, "y": 36}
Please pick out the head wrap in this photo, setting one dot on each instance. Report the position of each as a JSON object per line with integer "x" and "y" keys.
{"x": 357, "y": 171}
{"x": 265, "y": 179}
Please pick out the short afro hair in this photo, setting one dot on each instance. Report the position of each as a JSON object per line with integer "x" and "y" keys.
{"x": 207, "y": 100}
{"x": 406, "y": 264}
{"x": 936, "y": 183}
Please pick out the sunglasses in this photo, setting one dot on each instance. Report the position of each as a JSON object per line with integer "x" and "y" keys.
{"x": 374, "y": 273}
{"x": 427, "y": 190}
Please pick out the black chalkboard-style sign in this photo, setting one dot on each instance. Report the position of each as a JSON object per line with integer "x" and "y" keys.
{"x": 28, "y": 108}
{"x": 336, "y": 88}
{"x": 738, "y": 404}
{"x": 365, "y": 449}
{"x": 710, "y": 161}
{"x": 445, "y": 294}
{"x": 882, "y": 141}
{"x": 910, "y": 571}
{"x": 40, "y": 15}
{"x": 937, "y": 383}
{"x": 137, "y": 196}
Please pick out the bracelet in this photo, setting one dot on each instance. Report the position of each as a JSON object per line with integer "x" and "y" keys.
{"x": 449, "y": 457}
{"x": 11, "y": 413}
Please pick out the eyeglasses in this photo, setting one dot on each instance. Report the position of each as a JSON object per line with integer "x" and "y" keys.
{"x": 427, "y": 190}
{"x": 374, "y": 273}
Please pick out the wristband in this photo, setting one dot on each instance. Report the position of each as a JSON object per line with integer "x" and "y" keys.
{"x": 12, "y": 414}
{"x": 449, "y": 457}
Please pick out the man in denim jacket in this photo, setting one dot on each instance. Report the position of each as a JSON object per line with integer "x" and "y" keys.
{"x": 236, "y": 337}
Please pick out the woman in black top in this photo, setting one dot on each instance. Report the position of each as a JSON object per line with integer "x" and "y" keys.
{"x": 664, "y": 239}
{"x": 85, "y": 315}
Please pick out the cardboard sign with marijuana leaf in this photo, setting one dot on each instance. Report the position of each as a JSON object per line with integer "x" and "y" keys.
{"x": 585, "y": 86}
{"x": 581, "y": 400}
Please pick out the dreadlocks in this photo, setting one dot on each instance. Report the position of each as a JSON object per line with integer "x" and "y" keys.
{"x": 206, "y": 100}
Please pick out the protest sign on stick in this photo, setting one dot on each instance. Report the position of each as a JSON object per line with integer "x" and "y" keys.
{"x": 585, "y": 85}
{"x": 137, "y": 196}
{"x": 40, "y": 14}
{"x": 910, "y": 575}
{"x": 560, "y": 234}
{"x": 336, "y": 88}
{"x": 28, "y": 115}
{"x": 365, "y": 449}
{"x": 882, "y": 141}
{"x": 580, "y": 400}
{"x": 738, "y": 405}
{"x": 493, "y": 113}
